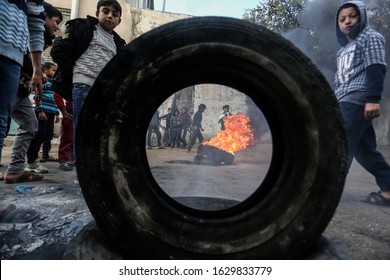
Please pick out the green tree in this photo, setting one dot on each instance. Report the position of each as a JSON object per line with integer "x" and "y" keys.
{"x": 277, "y": 15}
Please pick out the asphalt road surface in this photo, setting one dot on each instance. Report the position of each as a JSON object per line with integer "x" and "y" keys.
{"x": 360, "y": 230}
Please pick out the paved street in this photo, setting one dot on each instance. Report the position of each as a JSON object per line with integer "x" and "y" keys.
{"x": 360, "y": 230}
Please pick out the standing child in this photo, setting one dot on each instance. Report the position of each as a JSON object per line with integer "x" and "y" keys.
{"x": 154, "y": 125}
{"x": 196, "y": 127}
{"x": 361, "y": 70}
{"x": 167, "y": 133}
{"x": 223, "y": 116}
{"x": 176, "y": 125}
{"x": 47, "y": 113}
{"x": 84, "y": 50}
{"x": 186, "y": 121}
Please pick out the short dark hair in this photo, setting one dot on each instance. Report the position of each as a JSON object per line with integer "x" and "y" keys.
{"x": 52, "y": 11}
{"x": 350, "y": 5}
{"x": 112, "y": 3}
{"x": 225, "y": 106}
{"x": 202, "y": 107}
{"x": 48, "y": 65}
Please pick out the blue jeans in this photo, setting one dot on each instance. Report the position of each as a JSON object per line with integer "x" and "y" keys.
{"x": 362, "y": 144}
{"x": 9, "y": 83}
{"x": 79, "y": 93}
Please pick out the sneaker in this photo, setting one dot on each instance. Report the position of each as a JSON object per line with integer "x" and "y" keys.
{"x": 36, "y": 167}
{"x": 161, "y": 147}
{"x": 149, "y": 147}
{"x": 65, "y": 167}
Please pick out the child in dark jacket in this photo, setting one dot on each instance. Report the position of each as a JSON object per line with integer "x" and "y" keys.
{"x": 84, "y": 50}
{"x": 186, "y": 121}
{"x": 176, "y": 125}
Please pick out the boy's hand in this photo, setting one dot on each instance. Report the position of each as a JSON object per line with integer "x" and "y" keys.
{"x": 372, "y": 111}
{"x": 36, "y": 88}
{"x": 66, "y": 115}
{"x": 42, "y": 116}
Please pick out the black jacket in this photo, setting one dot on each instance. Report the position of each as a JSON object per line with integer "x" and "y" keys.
{"x": 72, "y": 44}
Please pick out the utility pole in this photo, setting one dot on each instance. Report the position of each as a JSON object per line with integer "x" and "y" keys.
{"x": 163, "y": 9}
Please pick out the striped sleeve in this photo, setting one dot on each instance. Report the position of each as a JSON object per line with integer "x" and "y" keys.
{"x": 35, "y": 20}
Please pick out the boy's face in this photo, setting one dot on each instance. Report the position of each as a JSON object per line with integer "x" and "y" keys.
{"x": 52, "y": 24}
{"x": 348, "y": 18}
{"x": 49, "y": 72}
{"x": 108, "y": 17}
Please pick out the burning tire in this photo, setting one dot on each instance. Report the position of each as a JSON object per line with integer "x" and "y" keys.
{"x": 213, "y": 156}
{"x": 305, "y": 180}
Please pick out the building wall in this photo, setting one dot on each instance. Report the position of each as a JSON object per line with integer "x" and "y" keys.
{"x": 145, "y": 20}
{"x": 64, "y": 4}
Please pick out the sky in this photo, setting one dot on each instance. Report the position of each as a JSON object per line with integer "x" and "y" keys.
{"x": 229, "y": 8}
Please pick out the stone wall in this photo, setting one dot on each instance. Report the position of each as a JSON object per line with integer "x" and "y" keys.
{"x": 145, "y": 20}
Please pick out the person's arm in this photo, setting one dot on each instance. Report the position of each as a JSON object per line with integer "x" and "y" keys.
{"x": 59, "y": 101}
{"x": 375, "y": 80}
{"x": 62, "y": 106}
{"x": 36, "y": 79}
{"x": 35, "y": 21}
{"x": 63, "y": 48}
{"x": 221, "y": 117}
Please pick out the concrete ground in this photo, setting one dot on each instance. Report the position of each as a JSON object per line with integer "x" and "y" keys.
{"x": 360, "y": 230}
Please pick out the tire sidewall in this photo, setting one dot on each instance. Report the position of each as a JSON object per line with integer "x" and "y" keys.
{"x": 305, "y": 181}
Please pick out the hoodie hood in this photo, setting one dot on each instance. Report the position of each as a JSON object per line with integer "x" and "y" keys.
{"x": 360, "y": 6}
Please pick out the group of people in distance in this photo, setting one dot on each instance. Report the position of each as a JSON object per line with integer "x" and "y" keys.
{"x": 180, "y": 123}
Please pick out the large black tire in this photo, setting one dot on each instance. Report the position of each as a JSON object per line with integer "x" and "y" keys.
{"x": 302, "y": 188}
{"x": 213, "y": 156}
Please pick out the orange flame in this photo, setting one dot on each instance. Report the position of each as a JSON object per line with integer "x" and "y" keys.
{"x": 237, "y": 136}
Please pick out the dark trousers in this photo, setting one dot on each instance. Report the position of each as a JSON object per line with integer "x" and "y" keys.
{"x": 196, "y": 134}
{"x": 362, "y": 144}
{"x": 156, "y": 129}
{"x": 45, "y": 131}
